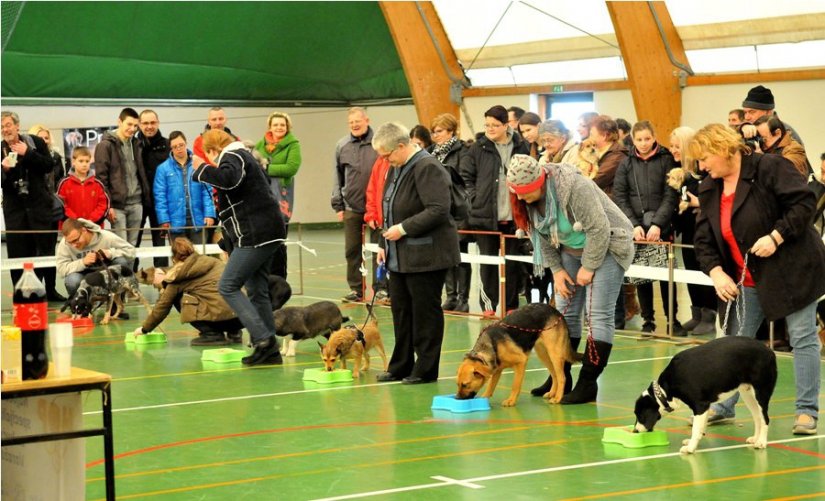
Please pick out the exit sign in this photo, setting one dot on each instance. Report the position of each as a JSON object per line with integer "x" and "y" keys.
{"x": 558, "y": 88}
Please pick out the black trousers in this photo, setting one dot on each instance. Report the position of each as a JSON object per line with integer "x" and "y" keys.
{"x": 158, "y": 236}
{"x": 206, "y": 327}
{"x": 418, "y": 321}
{"x": 489, "y": 245}
{"x": 645, "y": 293}
{"x": 278, "y": 266}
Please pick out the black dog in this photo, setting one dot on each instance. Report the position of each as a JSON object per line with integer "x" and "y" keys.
{"x": 304, "y": 322}
{"x": 279, "y": 291}
{"x": 709, "y": 373}
{"x": 108, "y": 285}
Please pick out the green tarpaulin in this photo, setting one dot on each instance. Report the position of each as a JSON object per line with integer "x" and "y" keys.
{"x": 248, "y": 51}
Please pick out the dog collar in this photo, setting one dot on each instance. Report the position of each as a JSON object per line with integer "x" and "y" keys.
{"x": 661, "y": 397}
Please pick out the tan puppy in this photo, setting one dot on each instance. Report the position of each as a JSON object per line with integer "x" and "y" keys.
{"x": 588, "y": 158}
{"x": 508, "y": 344}
{"x": 676, "y": 179}
{"x": 350, "y": 342}
{"x": 146, "y": 276}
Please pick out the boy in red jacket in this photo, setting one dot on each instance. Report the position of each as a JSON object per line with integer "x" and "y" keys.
{"x": 83, "y": 195}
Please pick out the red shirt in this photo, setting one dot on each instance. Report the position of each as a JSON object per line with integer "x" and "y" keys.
{"x": 725, "y": 213}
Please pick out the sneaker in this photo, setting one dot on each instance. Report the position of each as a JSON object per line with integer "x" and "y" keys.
{"x": 55, "y": 297}
{"x": 235, "y": 337}
{"x": 209, "y": 339}
{"x": 648, "y": 327}
{"x": 352, "y": 297}
{"x": 804, "y": 424}
{"x": 381, "y": 297}
{"x": 489, "y": 314}
{"x": 266, "y": 353}
{"x": 462, "y": 307}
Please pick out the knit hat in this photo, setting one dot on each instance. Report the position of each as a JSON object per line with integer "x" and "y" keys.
{"x": 524, "y": 174}
{"x": 759, "y": 98}
{"x": 498, "y": 112}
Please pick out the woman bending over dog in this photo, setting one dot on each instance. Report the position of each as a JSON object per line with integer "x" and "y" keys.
{"x": 189, "y": 286}
{"x": 586, "y": 240}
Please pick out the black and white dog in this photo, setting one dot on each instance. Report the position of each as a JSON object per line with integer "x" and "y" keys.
{"x": 710, "y": 373}
{"x": 105, "y": 286}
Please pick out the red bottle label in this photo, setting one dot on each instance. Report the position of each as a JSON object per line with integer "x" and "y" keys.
{"x": 31, "y": 317}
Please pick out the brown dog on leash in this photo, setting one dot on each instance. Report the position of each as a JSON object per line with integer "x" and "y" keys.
{"x": 351, "y": 342}
{"x": 508, "y": 344}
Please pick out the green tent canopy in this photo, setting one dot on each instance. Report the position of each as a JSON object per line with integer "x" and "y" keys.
{"x": 313, "y": 52}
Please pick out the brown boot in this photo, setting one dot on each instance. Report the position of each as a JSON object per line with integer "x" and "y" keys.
{"x": 631, "y": 304}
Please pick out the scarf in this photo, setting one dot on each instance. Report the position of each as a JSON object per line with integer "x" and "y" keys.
{"x": 544, "y": 226}
{"x": 440, "y": 151}
{"x": 271, "y": 142}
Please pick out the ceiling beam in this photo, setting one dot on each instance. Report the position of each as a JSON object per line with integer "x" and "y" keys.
{"x": 780, "y": 29}
{"x": 756, "y": 78}
{"x": 411, "y": 25}
{"x": 654, "y": 84}
{"x": 545, "y": 88}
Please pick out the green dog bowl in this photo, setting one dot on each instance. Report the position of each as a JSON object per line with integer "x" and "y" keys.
{"x": 624, "y": 436}
{"x": 222, "y": 355}
{"x": 150, "y": 338}
{"x": 324, "y": 377}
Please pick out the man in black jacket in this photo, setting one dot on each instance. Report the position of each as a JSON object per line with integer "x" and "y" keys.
{"x": 155, "y": 152}
{"x": 119, "y": 166}
{"x": 484, "y": 169}
{"x": 26, "y": 195}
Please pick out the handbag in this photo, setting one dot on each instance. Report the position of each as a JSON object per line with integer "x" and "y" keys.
{"x": 648, "y": 255}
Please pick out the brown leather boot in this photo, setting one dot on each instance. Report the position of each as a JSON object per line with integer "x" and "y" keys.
{"x": 631, "y": 304}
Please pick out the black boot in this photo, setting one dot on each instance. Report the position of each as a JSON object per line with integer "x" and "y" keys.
{"x": 586, "y": 387}
{"x": 696, "y": 317}
{"x": 568, "y": 383}
{"x": 707, "y": 325}
{"x": 266, "y": 353}
{"x": 463, "y": 286}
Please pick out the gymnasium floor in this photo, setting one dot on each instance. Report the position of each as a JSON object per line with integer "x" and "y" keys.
{"x": 187, "y": 430}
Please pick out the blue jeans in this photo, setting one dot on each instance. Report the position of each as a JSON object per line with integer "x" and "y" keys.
{"x": 802, "y": 332}
{"x": 607, "y": 282}
{"x": 247, "y": 267}
{"x": 72, "y": 280}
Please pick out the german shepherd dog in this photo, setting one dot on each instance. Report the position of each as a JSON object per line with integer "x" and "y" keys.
{"x": 710, "y": 373}
{"x": 508, "y": 343}
{"x": 352, "y": 342}
{"x": 108, "y": 285}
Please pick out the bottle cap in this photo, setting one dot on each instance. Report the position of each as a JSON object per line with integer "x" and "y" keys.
{"x": 28, "y": 266}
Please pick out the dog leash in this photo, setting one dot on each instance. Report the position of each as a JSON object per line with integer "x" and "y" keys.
{"x": 740, "y": 309}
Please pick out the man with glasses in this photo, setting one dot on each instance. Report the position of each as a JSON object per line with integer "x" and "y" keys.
{"x": 155, "y": 151}
{"x": 484, "y": 169}
{"x": 78, "y": 252}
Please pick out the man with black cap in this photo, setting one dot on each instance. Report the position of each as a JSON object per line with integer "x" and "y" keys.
{"x": 484, "y": 169}
{"x": 759, "y": 102}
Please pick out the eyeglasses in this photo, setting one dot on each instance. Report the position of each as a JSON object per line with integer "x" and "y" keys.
{"x": 387, "y": 156}
{"x": 493, "y": 126}
{"x": 74, "y": 241}
{"x": 178, "y": 146}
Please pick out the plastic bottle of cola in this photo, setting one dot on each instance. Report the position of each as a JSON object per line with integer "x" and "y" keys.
{"x": 31, "y": 316}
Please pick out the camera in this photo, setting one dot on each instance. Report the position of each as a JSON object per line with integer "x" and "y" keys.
{"x": 22, "y": 187}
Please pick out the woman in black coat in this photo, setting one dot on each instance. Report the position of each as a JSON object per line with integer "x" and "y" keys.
{"x": 252, "y": 222}
{"x": 419, "y": 245}
{"x": 755, "y": 240}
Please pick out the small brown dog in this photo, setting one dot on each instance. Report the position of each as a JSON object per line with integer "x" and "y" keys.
{"x": 588, "y": 158}
{"x": 676, "y": 179}
{"x": 508, "y": 343}
{"x": 146, "y": 276}
{"x": 351, "y": 342}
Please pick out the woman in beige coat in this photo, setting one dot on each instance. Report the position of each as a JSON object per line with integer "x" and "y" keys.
{"x": 191, "y": 286}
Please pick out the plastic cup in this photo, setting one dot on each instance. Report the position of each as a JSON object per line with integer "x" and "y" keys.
{"x": 61, "y": 342}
